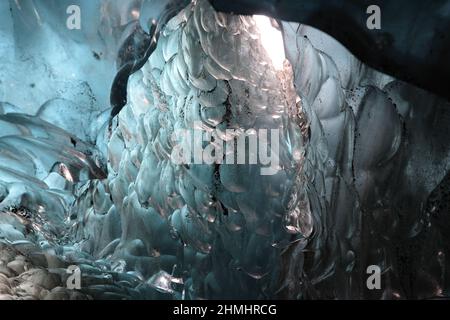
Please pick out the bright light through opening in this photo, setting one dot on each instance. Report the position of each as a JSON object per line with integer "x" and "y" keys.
{"x": 272, "y": 40}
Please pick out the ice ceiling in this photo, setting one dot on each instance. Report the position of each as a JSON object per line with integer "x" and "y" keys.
{"x": 362, "y": 180}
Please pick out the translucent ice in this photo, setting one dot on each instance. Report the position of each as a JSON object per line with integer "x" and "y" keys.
{"x": 362, "y": 177}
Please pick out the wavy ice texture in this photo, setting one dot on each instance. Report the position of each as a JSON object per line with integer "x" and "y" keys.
{"x": 359, "y": 182}
{"x": 207, "y": 221}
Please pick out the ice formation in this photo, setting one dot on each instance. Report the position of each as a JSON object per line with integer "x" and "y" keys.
{"x": 362, "y": 175}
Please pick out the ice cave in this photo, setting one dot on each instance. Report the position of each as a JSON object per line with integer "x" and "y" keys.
{"x": 94, "y": 112}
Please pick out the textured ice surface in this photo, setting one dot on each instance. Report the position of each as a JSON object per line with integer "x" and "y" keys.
{"x": 362, "y": 181}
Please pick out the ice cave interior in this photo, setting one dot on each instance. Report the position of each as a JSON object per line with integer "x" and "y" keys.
{"x": 88, "y": 123}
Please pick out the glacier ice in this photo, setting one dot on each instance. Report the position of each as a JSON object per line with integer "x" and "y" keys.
{"x": 362, "y": 179}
